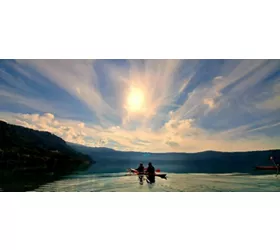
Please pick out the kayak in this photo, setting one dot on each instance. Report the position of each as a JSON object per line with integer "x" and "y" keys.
{"x": 267, "y": 168}
{"x": 275, "y": 166}
{"x": 156, "y": 174}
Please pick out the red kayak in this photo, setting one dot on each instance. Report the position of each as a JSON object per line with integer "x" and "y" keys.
{"x": 267, "y": 168}
{"x": 156, "y": 174}
{"x": 275, "y": 167}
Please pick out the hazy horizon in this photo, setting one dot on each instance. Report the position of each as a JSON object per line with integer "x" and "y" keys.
{"x": 155, "y": 106}
{"x": 174, "y": 152}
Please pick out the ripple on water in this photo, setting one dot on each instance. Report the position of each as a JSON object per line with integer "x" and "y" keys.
{"x": 175, "y": 183}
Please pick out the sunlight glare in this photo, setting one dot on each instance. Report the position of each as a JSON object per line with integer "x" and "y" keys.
{"x": 135, "y": 99}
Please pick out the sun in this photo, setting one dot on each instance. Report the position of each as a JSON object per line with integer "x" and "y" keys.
{"x": 135, "y": 100}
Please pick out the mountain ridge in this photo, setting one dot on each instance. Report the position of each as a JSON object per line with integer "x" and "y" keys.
{"x": 23, "y": 149}
{"x": 108, "y": 149}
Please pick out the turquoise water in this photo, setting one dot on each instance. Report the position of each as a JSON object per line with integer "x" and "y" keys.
{"x": 120, "y": 182}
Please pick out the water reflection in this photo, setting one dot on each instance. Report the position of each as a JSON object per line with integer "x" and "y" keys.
{"x": 86, "y": 181}
{"x": 151, "y": 185}
{"x": 23, "y": 181}
{"x": 175, "y": 183}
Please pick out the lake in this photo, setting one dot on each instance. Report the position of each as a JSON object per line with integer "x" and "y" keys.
{"x": 111, "y": 176}
{"x": 119, "y": 182}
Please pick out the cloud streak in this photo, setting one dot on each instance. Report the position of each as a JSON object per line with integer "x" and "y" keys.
{"x": 173, "y": 137}
{"x": 189, "y": 105}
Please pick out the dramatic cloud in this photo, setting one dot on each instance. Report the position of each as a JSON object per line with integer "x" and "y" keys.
{"x": 147, "y": 105}
{"x": 172, "y": 137}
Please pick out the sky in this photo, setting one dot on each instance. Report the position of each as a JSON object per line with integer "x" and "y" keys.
{"x": 147, "y": 105}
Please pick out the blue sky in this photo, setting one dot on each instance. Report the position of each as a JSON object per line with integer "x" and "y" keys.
{"x": 147, "y": 105}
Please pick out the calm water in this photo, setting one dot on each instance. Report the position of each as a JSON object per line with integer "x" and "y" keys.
{"x": 119, "y": 182}
{"x": 94, "y": 179}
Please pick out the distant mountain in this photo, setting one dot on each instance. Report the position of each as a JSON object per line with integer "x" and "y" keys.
{"x": 178, "y": 155}
{"x": 24, "y": 149}
{"x": 109, "y": 160}
{"x": 86, "y": 149}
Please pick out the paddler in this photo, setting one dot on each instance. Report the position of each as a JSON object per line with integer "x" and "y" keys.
{"x": 141, "y": 170}
{"x": 151, "y": 173}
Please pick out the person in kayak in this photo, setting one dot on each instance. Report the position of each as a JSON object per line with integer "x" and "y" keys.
{"x": 141, "y": 168}
{"x": 141, "y": 171}
{"x": 151, "y": 173}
